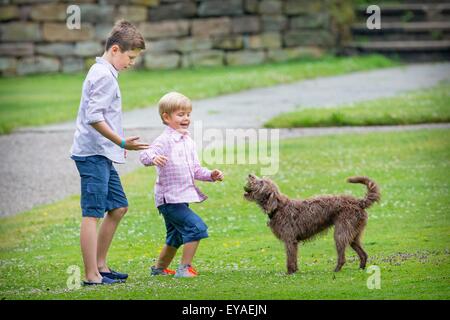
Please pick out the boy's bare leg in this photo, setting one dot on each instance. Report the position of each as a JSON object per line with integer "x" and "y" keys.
{"x": 166, "y": 256}
{"x": 88, "y": 241}
{"x": 106, "y": 234}
{"x": 189, "y": 252}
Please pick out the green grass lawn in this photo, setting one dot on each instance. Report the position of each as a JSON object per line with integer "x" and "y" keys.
{"x": 407, "y": 235}
{"x": 422, "y": 106}
{"x": 44, "y": 99}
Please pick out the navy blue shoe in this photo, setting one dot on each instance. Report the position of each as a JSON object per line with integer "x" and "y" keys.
{"x": 114, "y": 275}
{"x": 105, "y": 280}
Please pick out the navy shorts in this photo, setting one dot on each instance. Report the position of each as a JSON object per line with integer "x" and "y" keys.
{"x": 182, "y": 224}
{"x": 101, "y": 189}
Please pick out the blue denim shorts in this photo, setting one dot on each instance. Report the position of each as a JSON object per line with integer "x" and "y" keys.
{"x": 101, "y": 189}
{"x": 182, "y": 224}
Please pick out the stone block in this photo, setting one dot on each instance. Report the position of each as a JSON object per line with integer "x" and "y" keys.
{"x": 88, "y": 49}
{"x": 274, "y": 23}
{"x": 264, "y": 40}
{"x": 165, "y": 45}
{"x": 244, "y": 57}
{"x": 26, "y": 1}
{"x": 164, "y": 29}
{"x": 270, "y": 7}
{"x": 251, "y": 6}
{"x": 8, "y": 66}
{"x": 220, "y": 8}
{"x": 55, "y": 49}
{"x": 206, "y": 58}
{"x": 147, "y": 3}
{"x": 20, "y": 31}
{"x": 49, "y": 12}
{"x": 17, "y": 49}
{"x": 211, "y": 26}
{"x": 71, "y": 65}
{"x": 37, "y": 64}
{"x": 311, "y": 21}
{"x": 307, "y": 38}
{"x": 132, "y": 13}
{"x": 25, "y": 12}
{"x": 173, "y": 11}
{"x": 95, "y": 13}
{"x": 59, "y": 32}
{"x": 296, "y": 7}
{"x": 9, "y": 13}
{"x": 161, "y": 61}
{"x": 185, "y": 61}
{"x": 194, "y": 44}
{"x": 245, "y": 24}
{"x": 102, "y": 31}
{"x": 234, "y": 42}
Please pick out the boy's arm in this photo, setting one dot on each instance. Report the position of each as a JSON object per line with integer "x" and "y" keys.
{"x": 101, "y": 95}
{"x": 201, "y": 173}
{"x": 147, "y": 157}
{"x": 131, "y": 143}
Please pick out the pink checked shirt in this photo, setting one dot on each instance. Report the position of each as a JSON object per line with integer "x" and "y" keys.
{"x": 175, "y": 181}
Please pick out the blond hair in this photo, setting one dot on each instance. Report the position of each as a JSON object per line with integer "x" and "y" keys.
{"x": 172, "y": 102}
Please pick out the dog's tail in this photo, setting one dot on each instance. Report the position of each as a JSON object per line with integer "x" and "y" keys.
{"x": 373, "y": 192}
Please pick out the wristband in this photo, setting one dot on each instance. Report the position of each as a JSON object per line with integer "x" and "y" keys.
{"x": 122, "y": 144}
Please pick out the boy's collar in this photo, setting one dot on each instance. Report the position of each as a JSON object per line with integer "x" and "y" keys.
{"x": 176, "y": 135}
{"x": 111, "y": 68}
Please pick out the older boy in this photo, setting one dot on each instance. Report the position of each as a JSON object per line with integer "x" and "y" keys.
{"x": 98, "y": 142}
{"x": 173, "y": 152}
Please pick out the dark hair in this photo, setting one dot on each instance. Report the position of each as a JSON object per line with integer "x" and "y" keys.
{"x": 126, "y": 36}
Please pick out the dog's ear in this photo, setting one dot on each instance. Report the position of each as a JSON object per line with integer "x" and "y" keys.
{"x": 272, "y": 203}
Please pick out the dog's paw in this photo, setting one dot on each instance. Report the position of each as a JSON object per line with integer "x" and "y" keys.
{"x": 289, "y": 272}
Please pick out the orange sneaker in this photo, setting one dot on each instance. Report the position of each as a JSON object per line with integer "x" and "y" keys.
{"x": 161, "y": 272}
{"x": 185, "y": 271}
{"x": 169, "y": 272}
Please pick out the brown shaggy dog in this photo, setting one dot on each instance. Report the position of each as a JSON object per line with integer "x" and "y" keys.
{"x": 293, "y": 221}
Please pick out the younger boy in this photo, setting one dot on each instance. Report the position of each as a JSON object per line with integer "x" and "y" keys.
{"x": 177, "y": 166}
{"x": 98, "y": 142}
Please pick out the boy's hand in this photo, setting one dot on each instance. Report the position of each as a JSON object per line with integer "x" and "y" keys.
{"x": 160, "y": 161}
{"x": 132, "y": 143}
{"x": 217, "y": 175}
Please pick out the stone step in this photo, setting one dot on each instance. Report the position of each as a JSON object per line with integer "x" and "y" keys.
{"x": 400, "y": 8}
{"x": 398, "y": 31}
{"x": 407, "y": 17}
{"x": 398, "y": 46}
{"x": 410, "y": 12}
{"x": 403, "y": 27}
{"x": 416, "y": 36}
{"x": 416, "y": 30}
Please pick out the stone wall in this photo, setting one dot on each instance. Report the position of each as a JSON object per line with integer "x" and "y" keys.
{"x": 34, "y": 37}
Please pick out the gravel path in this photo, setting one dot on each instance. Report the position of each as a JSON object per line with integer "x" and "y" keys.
{"x": 252, "y": 108}
{"x": 36, "y": 169}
